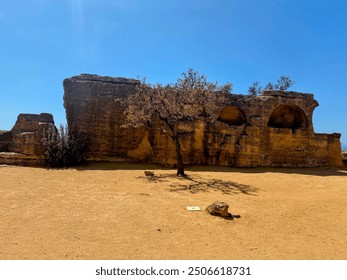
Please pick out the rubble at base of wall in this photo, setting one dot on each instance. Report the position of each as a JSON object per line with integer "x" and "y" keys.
{"x": 9, "y": 158}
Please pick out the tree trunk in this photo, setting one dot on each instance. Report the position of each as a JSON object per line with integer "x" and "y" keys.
{"x": 180, "y": 165}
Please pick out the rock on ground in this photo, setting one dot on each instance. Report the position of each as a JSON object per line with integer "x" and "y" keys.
{"x": 219, "y": 208}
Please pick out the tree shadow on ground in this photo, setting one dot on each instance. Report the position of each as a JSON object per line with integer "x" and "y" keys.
{"x": 195, "y": 184}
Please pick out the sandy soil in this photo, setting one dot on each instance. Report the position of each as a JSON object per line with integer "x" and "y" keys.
{"x": 112, "y": 211}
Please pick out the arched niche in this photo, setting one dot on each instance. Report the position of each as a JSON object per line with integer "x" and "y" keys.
{"x": 232, "y": 115}
{"x": 288, "y": 116}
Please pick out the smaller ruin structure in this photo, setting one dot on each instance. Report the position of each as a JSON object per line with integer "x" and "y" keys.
{"x": 22, "y": 144}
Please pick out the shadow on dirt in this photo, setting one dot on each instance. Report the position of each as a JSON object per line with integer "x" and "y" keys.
{"x": 195, "y": 184}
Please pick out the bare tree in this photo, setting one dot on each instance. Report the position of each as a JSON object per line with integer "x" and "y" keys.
{"x": 255, "y": 89}
{"x": 270, "y": 86}
{"x": 283, "y": 83}
{"x": 191, "y": 98}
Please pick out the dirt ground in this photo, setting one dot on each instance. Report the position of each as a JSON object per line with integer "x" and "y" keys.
{"x": 112, "y": 211}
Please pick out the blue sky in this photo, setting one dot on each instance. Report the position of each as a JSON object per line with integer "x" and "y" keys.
{"x": 238, "y": 41}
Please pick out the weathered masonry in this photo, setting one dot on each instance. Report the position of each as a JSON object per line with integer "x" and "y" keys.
{"x": 22, "y": 144}
{"x": 274, "y": 129}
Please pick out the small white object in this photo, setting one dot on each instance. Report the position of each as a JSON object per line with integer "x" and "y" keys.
{"x": 193, "y": 208}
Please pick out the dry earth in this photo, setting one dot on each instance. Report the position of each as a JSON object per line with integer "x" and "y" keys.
{"x": 112, "y": 211}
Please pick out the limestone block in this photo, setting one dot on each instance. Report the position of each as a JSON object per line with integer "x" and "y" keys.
{"x": 27, "y": 133}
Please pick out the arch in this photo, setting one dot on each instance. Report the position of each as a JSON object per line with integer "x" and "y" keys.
{"x": 232, "y": 115}
{"x": 288, "y": 116}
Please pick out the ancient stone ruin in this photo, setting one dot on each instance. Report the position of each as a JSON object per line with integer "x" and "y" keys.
{"x": 274, "y": 129}
{"x": 22, "y": 144}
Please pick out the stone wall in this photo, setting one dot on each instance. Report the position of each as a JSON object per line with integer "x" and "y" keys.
{"x": 92, "y": 107}
{"x": 22, "y": 144}
{"x": 274, "y": 129}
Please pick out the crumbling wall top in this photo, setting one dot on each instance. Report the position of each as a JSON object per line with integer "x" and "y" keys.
{"x": 290, "y": 94}
{"x": 31, "y": 122}
{"x": 105, "y": 79}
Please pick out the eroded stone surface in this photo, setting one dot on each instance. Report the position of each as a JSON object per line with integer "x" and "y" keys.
{"x": 5, "y": 139}
{"x": 22, "y": 144}
{"x": 274, "y": 129}
{"x": 92, "y": 107}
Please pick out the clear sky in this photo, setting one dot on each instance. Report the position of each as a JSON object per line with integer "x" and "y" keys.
{"x": 238, "y": 41}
